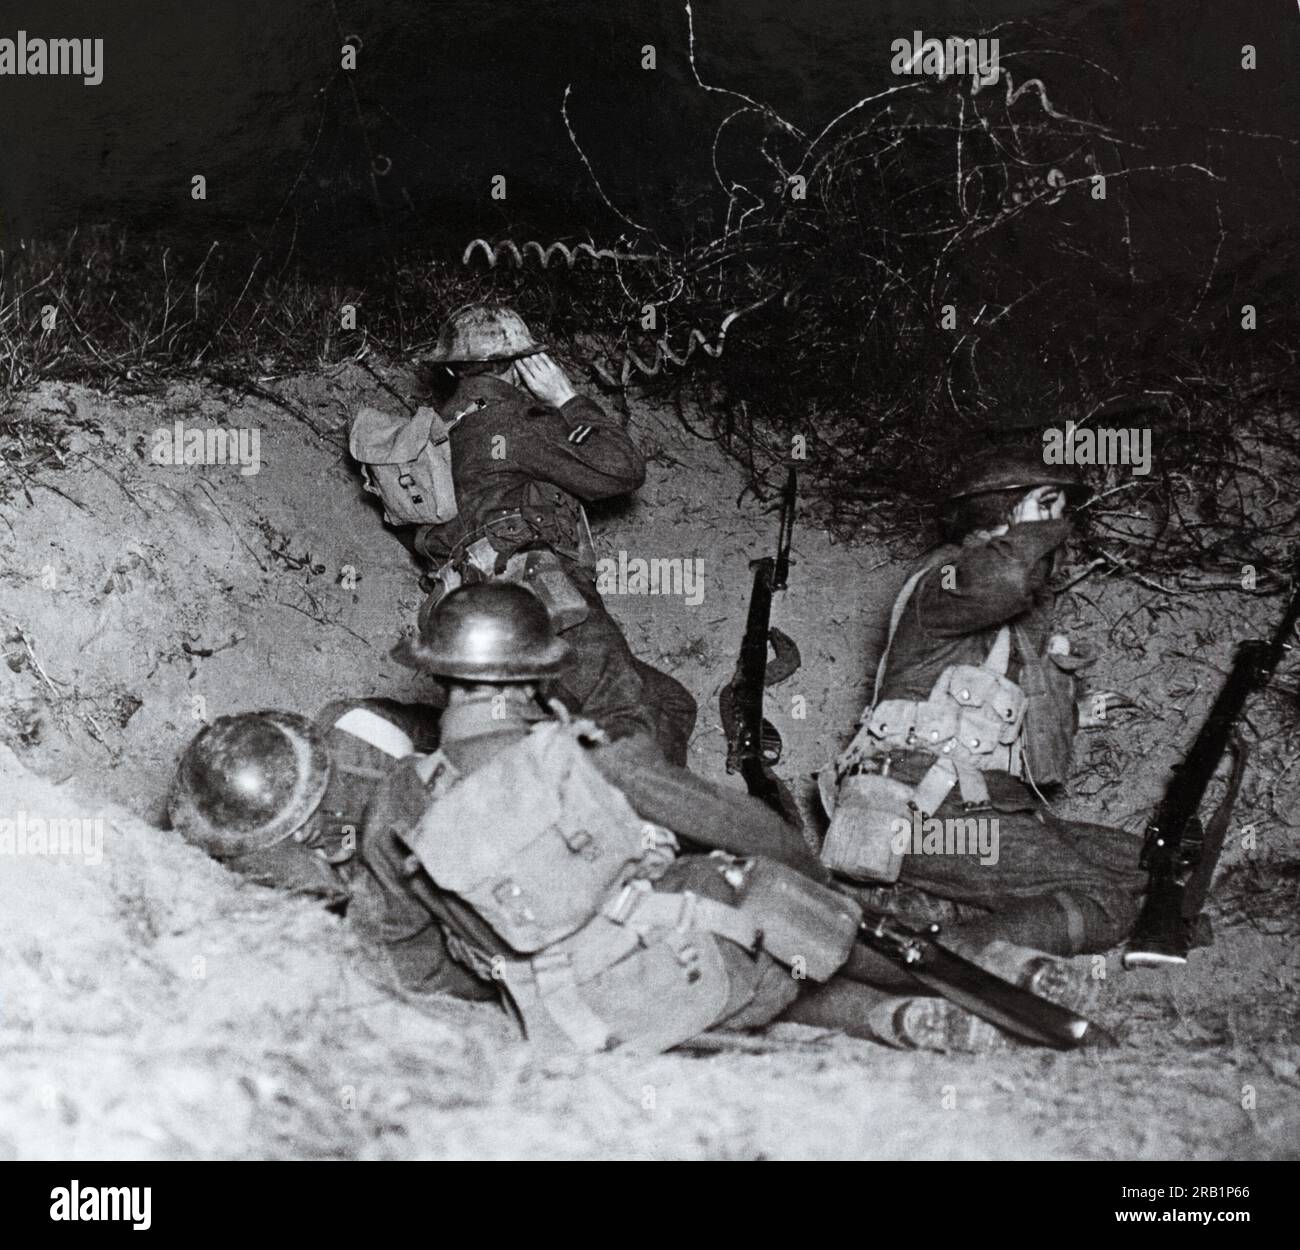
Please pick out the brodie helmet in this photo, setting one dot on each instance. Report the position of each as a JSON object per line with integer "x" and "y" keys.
{"x": 490, "y": 631}
{"x": 248, "y": 782}
{"x": 999, "y": 469}
{"x": 479, "y": 332}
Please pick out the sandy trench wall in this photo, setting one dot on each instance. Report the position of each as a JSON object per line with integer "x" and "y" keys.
{"x": 141, "y": 598}
{"x": 152, "y": 1005}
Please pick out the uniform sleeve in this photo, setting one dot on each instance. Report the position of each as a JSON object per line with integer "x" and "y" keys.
{"x": 583, "y": 450}
{"x": 990, "y": 583}
{"x": 699, "y": 811}
{"x": 409, "y": 930}
{"x": 424, "y": 965}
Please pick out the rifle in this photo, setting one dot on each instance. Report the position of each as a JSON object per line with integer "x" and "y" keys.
{"x": 1178, "y": 852}
{"x": 753, "y": 742}
{"x": 927, "y": 961}
{"x": 754, "y": 746}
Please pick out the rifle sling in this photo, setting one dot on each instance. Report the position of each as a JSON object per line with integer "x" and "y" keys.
{"x": 1198, "y": 883}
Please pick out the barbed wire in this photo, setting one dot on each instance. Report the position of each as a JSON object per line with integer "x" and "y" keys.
{"x": 934, "y": 271}
{"x": 545, "y": 252}
{"x": 631, "y": 363}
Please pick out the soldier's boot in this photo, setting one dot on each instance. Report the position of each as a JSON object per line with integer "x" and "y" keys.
{"x": 937, "y": 1024}
{"x": 934, "y": 1024}
{"x": 1054, "y": 979}
{"x": 908, "y": 1022}
{"x": 1031, "y": 945}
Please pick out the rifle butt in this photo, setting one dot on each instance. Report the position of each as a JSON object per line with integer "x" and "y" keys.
{"x": 1160, "y": 938}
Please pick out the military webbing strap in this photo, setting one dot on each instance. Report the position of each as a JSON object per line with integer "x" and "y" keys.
{"x": 558, "y": 974}
{"x": 639, "y": 907}
{"x": 557, "y": 988}
{"x": 900, "y": 606}
{"x": 1076, "y": 926}
{"x": 474, "y": 406}
{"x": 999, "y": 654}
{"x": 376, "y": 731}
{"x": 944, "y": 773}
{"x": 583, "y": 542}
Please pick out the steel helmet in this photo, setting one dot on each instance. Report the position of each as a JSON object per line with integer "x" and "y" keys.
{"x": 490, "y": 631}
{"x": 998, "y": 469}
{"x": 483, "y": 332}
{"x": 247, "y": 782}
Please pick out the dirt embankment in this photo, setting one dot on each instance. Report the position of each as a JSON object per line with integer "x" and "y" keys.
{"x": 155, "y": 1006}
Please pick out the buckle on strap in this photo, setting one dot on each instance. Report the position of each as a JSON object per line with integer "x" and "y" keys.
{"x": 683, "y": 912}
{"x": 688, "y": 957}
{"x": 579, "y": 842}
{"x": 511, "y": 898}
{"x": 624, "y": 904}
{"x": 551, "y": 968}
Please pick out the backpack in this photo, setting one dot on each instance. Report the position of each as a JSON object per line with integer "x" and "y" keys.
{"x": 534, "y": 839}
{"x": 700, "y": 948}
{"x": 554, "y": 859}
{"x": 406, "y": 461}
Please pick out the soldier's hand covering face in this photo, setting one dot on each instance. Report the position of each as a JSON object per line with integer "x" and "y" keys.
{"x": 545, "y": 379}
{"x": 1043, "y": 503}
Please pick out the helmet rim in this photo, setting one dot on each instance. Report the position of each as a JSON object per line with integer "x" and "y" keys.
{"x": 458, "y": 332}
{"x": 311, "y": 779}
{"x": 1001, "y": 470}
{"x": 1076, "y": 492}
{"x": 494, "y": 631}
{"x": 413, "y": 653}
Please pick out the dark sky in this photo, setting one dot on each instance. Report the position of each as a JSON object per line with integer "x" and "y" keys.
{"x": 450, "y": 92}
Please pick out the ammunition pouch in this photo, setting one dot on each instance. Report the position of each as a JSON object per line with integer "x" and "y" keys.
{"x": 990, "y": 695}
{"x": 971, "y": 722}
{"x": 655, "y": 967}
{"x": 511, "y": 548}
